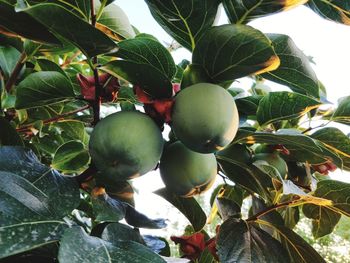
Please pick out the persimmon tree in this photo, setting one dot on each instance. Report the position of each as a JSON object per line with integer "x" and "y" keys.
{"x": 65, "y": 168}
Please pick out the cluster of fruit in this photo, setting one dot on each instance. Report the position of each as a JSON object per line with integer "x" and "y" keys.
{"x": 128, "y": 144}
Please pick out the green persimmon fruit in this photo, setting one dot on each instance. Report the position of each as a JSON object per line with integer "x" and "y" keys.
{"x": 125, "y": 145}
{"x": 275, "y": 160}
{"x": 237, "y": 152}
{"x": 205, "y": 117}
{"x": 185, "y": 172}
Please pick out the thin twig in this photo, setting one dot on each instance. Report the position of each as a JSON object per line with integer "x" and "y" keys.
{"x": 28, "y": 127}
{"x": 270, "y": 209}
{"x": 96, "y": 104}
{"x": 14, "y": 75}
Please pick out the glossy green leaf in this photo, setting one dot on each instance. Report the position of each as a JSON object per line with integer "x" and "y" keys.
{"x": 61, "y": 21}
{"x": 48, "y": 65}
{"x": 107, "y": 209}
{"x": 43, "y": 88}
{"x": 31, "y": 191}
{"x": 232, "y": 192}
{"x": 8, "y": 59}
{"x": 325, "y": 218}
{"x": 239, "y": 241}
{"x": 302, "y": 147}
{"x": 299, "y": 250}
{"x": 19, "y": 23}
{"x": 336, "y": 141}
{"x": 229, "y": 52}
{"x": 116, "y": 232}
{"x": 8, "y": 134}
{"x": 206, "y": 257}
{"x": 139, "y": 220}
{"x": 76, "y": 247}
{"x": 17, "y": 238}
{"x": 241, "y": 12}
{"x": 247, "y": 176}
{"x": 113, "y": 18}
{"x": 342, "y": 112}
{"x": 187, "y": 206}
{"x": 295, "y": 70}
{"x": 185, "y": 21}
{"x": 335, "y": 10}
{"x": 248, "y": 105}
{"x": 145, "y": 62}
{"x": 70, "y": 157}
{"x": 72, "y": 130}
{"x": 283, "y": 105}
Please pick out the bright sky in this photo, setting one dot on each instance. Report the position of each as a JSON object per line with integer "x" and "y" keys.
{"x": 327, "y": 42}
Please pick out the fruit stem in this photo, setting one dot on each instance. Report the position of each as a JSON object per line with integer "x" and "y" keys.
{"x": 96, "y": 104}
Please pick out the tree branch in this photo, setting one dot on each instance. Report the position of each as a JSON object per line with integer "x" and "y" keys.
{"x": 14, "y": 75}
{"x": 96, "y": 104}
{"x": 28, "y": 127}
{"x": 270, "y": 209}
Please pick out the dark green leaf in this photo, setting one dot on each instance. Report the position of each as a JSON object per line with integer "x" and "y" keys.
{"x": 232, "y": 192}
{"x": 76, "y": 247}
{"x": 342, "y": 113}
{"x": 335, "y": 10}
{"x": 113, "y": 18}
{"x": 299, "y": 250}
{"x": 241, "y": 12}
{"x": 48, "y": 65}
{"x": 206, "y": 257}
{"x": 145, "y": 62}
{"x": 326, "y": 217}
{"x": 185, "y": 21}
{"x": 247, "y": 176}
{"x": 136, "y": 219}
{"x": 228, "y": 208}
{"x": 108, "y": 209}
{"x": 157, "y": 244}
{"x": 187, "y": 206}
{"x": 20, "y": 23}
{"x": 31, "y": 191}
{"x": 43, "y": 88}
{"x": 336, "y": 141}
{"x": 8, "y": 59}
{"x": 116, "y": 232}
{"x": 284, "y": 105}
{"x": 295, "y": 70}
{"x": 72, "y": 130}
{"x": 88, "y": 39}
{"x": 26, "y": 236}
{"x": 291, "y": 216}
{"x": 8, "y": 134}
{"x": 71, "y": 157}
{"x": 229, "y": 52}
{"x": 248, "y": 105}
{"x": 302, "y": 147}
{"x": 238, "y": 241}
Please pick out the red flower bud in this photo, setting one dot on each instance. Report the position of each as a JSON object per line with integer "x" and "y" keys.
{"x": 190, "y": 246}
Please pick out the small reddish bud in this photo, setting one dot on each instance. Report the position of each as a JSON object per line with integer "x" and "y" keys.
{"x": 190, "y": 246}
{"x": 110, "y": 87}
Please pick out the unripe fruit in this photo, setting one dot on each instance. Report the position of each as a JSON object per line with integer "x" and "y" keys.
{"x": 205, "y": 117}
{"x": 274, "y": 160}
{"x": 125, "y": 145}
{"x": 185, "y": 172}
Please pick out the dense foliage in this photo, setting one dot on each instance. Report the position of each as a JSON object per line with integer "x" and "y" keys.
{"x": 65, "y": 169}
